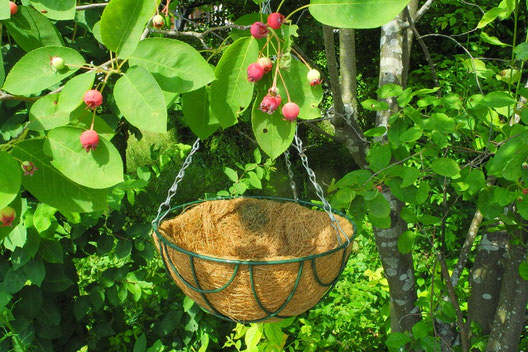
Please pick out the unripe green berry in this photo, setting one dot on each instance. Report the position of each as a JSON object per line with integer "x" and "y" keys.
{"x": 58, "y": 62}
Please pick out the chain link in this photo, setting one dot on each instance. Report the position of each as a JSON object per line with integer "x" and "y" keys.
{"x": 172, "y": 191}
{"x": 290, "y": 174}
{"x": 266, "y": 6}
{"x": 320, "y": 193}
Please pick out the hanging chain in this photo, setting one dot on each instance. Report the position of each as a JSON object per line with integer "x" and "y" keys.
{"x": 266, "y": 6}
{"x": 172, "y": 191}
{"x": 290, "y": 173}
{"x": 320, "y": 193}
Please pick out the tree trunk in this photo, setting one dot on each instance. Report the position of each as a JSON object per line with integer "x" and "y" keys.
{"x": 511, "y": 309}
{"x": 486, "y": 279}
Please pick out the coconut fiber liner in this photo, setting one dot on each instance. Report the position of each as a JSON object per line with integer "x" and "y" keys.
{"x": 256, "y": 230}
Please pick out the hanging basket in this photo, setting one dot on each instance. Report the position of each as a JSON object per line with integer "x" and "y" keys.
{"x": 254, "y": 259}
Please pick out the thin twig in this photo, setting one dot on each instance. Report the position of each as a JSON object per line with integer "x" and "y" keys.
{"x": 422, "y": 10}
{"x": 90, "y": 6}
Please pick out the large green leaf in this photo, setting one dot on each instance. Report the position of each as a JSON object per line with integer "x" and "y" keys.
{"x": 45, "y": 115}
{"x": 273, "y": 134}
{"x": 5, "y": 12}
{"x": 509, "y": 158}
{"x": 72, "y": 94}
{"x": 32, "y": 30}
{"x": 10, "y": 179}
{"x": 231, "y": 93}
{"x": 175, "y": 65}
{"x": 301, "y": 92}
{"x": 446, "y": 167}
{"x": 99, "y": 168}
{"x": 33, "y": 73}
{"x": 356, "y": 13}
{"x": 56, "y": 9}
{"x": 196, "y": 111}
{"x": 123, "y": 22}
{"x": 140, "y": 99}
{"x": 48, "y": 185}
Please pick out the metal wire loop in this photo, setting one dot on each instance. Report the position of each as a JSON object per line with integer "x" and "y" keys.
{"x": 290, "y": 174}
{"x": 172, "y": 191}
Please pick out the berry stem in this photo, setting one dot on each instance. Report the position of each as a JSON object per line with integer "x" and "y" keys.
{"x": 93, "y": 119}
{"x": 156, "y": 5}
{"x": 280, "y": 5}
{"x": 295, "y": 11}
{"x": 284, "y": 84}
{"x": 302, "y": 59}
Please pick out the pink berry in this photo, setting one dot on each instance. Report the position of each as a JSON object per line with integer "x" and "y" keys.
{"x": 275, "y": 20}
{"x": 259, "y": 30}
{"x": 7, "y": 216}
{"x": 29, "y": 168}
{"x": 379, "y": 188}
{"x": 290, "y": 111}
{"x": 525, "y": 191}
{"x": 158, "y": 21}
{"x": 89, "y": 140}
{"x": 255, "y": 72}
{"x": 266, "y": 64}
{"x": 314, "y": 77}
{"x": 13, "y": 7}
{"x": 93, "y": 98}
{"x": 270, "y": 103}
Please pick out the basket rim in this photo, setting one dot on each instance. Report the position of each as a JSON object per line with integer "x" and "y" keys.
{"x": 161, "y": 237}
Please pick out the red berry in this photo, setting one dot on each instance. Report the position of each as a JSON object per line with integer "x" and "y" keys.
{"x": 275, "y": 20}
{"x": 266, "y": 64}
{"x": 13, "y": 7}
{"x": 525, "y": 191}
{"x": 259, "y": 30}
{"x": 89, "y": 140}
{"x": 314, "y": 77}
{"x": 29, "y": 168}
{"x": 270, "y": 103}
{"x": 93, "y": 98}
{"x": 255, "y": 72}
{"x": 290, "y": 111}
{"x": 7, "y": 216}
{"x": 158, "y": 21}
{"x": 380, "y": 189}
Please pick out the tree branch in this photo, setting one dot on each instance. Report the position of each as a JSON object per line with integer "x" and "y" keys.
{"x": 422, "y": 10}
{"x": 91, "y": 6}
{"x": 7, "y": 96}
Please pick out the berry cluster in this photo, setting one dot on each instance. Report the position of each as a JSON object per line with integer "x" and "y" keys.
{"x": 90, "y": 139}
{"x": 257, "y": 70}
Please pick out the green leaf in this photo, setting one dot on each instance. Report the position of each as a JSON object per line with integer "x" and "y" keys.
{"x": 406, "y": 241}
{"x": 356, "y": 14}
{"x": 5, "y": 14}
{"x": 389, "y": 90}
{"x": 100, "y": 168}
{"x": 445, "y": 167}
{"x": 123, "y": 248}
{"x": 14, "y": 281}
{"x": 254, "y": 180}
{"x": 374, "y": 105}
{"x": 141, "y": 344}
{"x": 44, "y": 114}
{"x": 140, "y": 99}
{"x": 2, "y": 71}
{"x": 56, "y": 9}
{"x": 232, "y": 174}
{"x": 412, "y": 134}
{"x": 443, "y": 123}
{"x": 197, "y": 113}
{"x": 32, "y": 30}
{"x": 397, "y": 340}
{"x": 522, "y": 208}
{"x": 490, "y": 39}
{"x": 176, "y": 66}
{"x": 376, "y": 131}
{"x": 43, "y": 216}
{"x": 51, "y": 251}
{"x": 476, "y": 181}
{"x": 508, "y": 159}
{"x": 231, "y": 93}
{"x": 81, "y": 306}
{"x": 35, "y": 270}
{"x": 498, "y": 100}
{"x": 273, "y": 134}
{"x": 33, "y": 73}
{"x": 49, "y": 186}
{"x": 489, "y": 16}
{"x": 521, "y": 51}
{"x": 31, "y": 298}
{"x": 97, "y": 297}
{"x": 409, "y": 175}
{"x": 10, "y": 179}
{"x": 253, "y": 336}
{"x": 379, "y": 156}
{"x": 378, "y": 207}
{"x": 123, "y": 22}
{"x": 72, "y": 94}
{"x": 274, "y": 333}
{"x": 523, "y": 270}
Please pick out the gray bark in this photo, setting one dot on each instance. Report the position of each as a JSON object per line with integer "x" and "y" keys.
{"x": 348, "y": 67}
{"x": 486, "y": 280}
{"x": 511, "y": 309}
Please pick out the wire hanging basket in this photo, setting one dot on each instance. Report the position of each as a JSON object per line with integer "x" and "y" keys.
{"x": 253, "y": 259}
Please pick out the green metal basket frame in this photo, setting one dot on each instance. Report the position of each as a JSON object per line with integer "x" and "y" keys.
{"x": 164, "y": 242}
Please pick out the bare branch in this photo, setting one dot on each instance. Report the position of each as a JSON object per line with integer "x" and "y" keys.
{"x": 199, "y": 35}
{"x": 7, "y": 96}
{"x": 466, "y": 248}
{"x": 91, "y": 6}
{"x": 422, "y": 10}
